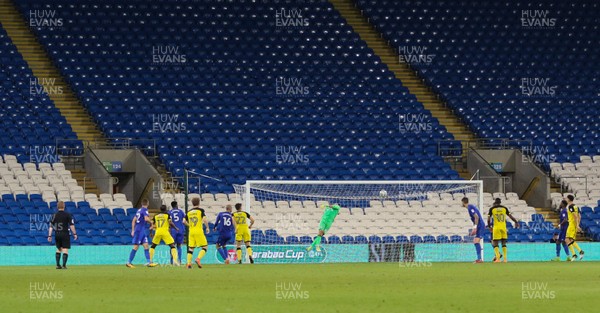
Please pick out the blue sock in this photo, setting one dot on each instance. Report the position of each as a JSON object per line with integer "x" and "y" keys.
{"x": 566, "y": 247}
{"x": 223, "y": 253}
{"x": 147, "y": 254}
{"x": 478, "y": 249}
{"x": 557, "y": 249}
{"x": 131, "y": 255}
{"x": 179, "y": 253}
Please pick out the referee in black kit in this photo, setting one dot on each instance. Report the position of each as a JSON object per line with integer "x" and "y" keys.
{"x": 61, "y": 222}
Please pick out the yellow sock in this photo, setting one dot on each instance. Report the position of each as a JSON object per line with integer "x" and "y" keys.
{"x": 189, "y": 257}
{"x": 249, "y": 251}
{"x": 497, "y": 252}
{"x": 238, "y": 252}
{"x": 151, "y": 254}
{"x": 504, "y": 251}
{"x": 572, "y": 249}
{"x": 174, "y": 254}
{"x": 201, "y": 254}
{"x": 576, "y": 246}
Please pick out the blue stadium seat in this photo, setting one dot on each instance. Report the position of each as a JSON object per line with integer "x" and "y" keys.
{"x": 292, "y": 240}
{"x": 374, "y": 239}
{"x": 347, "y": 239}
{"x": 306, "y": 240}
{"x": 455, "y": 239}
{"x": 402, "y": 239}
{"x": 388, "y": 239}
{"x": 442, "y": 239}
{"x": 429, "y": 239}
{"x": 361, "y": 239}
{"x": 334, "y": 240}
{"x": 416, "y": 239}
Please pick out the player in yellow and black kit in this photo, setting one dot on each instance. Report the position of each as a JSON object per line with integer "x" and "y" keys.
{"x": 161, "y": 223}
{"x": 500, "y": 233}
{"x": 574, "y": 218}
{"x": 194, "y": 219}
{"x": 242, "y": 232}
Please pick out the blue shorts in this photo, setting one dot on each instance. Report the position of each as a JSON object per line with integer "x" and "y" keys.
{"x": 139, "y": 237}
{"x": 562, "y": 235}
{"x": 480, "y": 232}
{"x": 178, "y": 236}
{"x": 223, "y": 239}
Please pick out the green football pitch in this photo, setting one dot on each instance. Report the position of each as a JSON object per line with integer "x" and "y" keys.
{"x": 365, "y": 287}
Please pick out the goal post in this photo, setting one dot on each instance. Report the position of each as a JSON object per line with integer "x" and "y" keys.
{"x": 378, "y": 221}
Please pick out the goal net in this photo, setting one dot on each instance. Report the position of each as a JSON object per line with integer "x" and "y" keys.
{"x": 379, "y": 221}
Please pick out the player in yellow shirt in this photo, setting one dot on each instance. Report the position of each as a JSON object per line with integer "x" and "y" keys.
{"x": 161, "y": 223}
{"x": 194, "y": 219}
{"x": 500, "y": 233}
{"x": 242, "y": 232}
{"x": 574, "y": 218}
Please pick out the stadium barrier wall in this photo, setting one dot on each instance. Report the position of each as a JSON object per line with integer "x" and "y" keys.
{"x": 118, "y": 254}
{"x": 465, "y": 252}
{"x": 424, "y": 253}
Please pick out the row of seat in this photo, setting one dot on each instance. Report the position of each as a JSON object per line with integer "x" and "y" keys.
{"x": 508, "y": 77}
{"x": 224, "y": 75}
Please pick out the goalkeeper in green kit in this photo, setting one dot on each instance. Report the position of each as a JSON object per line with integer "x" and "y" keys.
{"x": 331, "y": 211}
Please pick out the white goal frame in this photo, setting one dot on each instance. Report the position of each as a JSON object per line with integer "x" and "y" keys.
{"x": 249, "y": 183}
{"x": 453, "y": 186}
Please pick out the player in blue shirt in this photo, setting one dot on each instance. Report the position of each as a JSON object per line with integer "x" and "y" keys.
{"x": 560, "y": 237}
{"x": 139, "y": 232}
{"x": 177, "y": 216}
{"x": 225, "y": 225}
{"x": 479, "y": 228}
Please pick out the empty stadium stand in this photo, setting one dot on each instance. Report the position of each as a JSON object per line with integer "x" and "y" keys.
{"x": 30, "y": 193}
{"x": 220, "y": 112}
{"x": 215, "y": 105}
{"x": 520, "y": 70}
{"x": 30, "y": 121}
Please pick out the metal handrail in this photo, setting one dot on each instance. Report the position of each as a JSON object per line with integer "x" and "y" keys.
{"x": 559, "y": 180}
{"x": 124, "y": 143}
{"x": 59, "y": 150}
{"x": 506, "y": 180}
{"x": 486, "y": 143}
